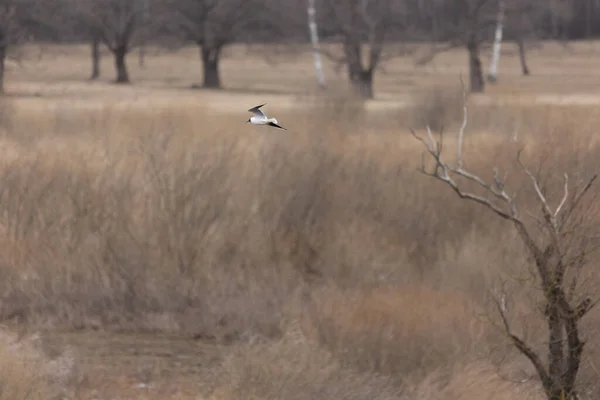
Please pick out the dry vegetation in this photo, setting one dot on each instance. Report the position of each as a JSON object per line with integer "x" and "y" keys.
{"x": 317, "y": 262}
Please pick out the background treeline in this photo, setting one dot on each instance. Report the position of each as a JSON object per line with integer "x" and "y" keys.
{"x": 549, "y": 19}
{"x": 369, "y": 31}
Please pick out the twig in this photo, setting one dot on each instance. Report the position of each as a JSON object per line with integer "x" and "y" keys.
{"x": 523, "y": 347}
{"x": 564, "y": 199}
{"x": 536, "y": 186}
{"x": 461, "y": 131}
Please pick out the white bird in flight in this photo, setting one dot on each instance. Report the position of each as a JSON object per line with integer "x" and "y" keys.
{"x": 260, "y": 118}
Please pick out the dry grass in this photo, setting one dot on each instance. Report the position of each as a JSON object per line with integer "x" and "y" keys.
{"x": 164, "y": 223}
{"x": 26, "y": 373}
{"x": 319, "y": 260}
{"x": 296, "y": 369}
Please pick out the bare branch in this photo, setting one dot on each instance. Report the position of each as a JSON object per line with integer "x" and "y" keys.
{"x": 585, "y": 189}
{"x": 564, "y": 199}
{"x": 445, "y": 177}
{"x": 546, "y": 208}
{"x": 522, "y": 346}
{"x": 461, "y": 131}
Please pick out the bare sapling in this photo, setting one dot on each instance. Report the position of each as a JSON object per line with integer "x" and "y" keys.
{"x": 556, "y": 243}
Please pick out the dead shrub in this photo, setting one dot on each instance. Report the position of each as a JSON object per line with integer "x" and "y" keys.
{"x": 295, "y": 368}
{"x": 397, "y": 331}
{"x": 474, "y": 380}
{"x": 162, "y": 232}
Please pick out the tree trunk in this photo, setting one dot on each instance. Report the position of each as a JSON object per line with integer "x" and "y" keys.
{"x": 493, "y": 73}
{"x": 314, "y": 38}
{"x": 120, "y": 65}
{"x": 95, "y": 47}
{"x": 2, "y": 67}
{"x": 555, "y": 348}
{"x": 210, "y": 63}
{"x": 362, "y": 83}
{"x": 564, "y": 356}
{"x": 522, "y": 57}
{"x": 142, "y": 56}
{"x": 477, "y": 84}
{"x": 361, "y": 78}
{"x": 589, "y": 13}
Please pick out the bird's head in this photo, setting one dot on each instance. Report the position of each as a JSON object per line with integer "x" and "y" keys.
{"x": 248, "y": 120}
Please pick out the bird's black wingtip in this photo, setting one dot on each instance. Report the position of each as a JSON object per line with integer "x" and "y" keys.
{"x": 257, "y": 107}
{"x": 276, "y": 126}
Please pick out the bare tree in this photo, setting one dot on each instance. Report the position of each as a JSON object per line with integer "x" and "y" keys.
{"x": 17, "y": 20}
{"x": 468, "y": 24}
{"x": 95, "y": 53}
{"x": 522, "y": 29}
{"x": 14, "y": 16}
{"x": 314, "y": 39}
{"x": 214, "y": 24}
{"x": 558, "y": 255}
{"x": 121, "y": 25}
{"x": 493, "y": 73}
{"x": 523, "y": 57}
{"x": 519, "y": 27}
{"x": 70, "y": 24}
{"x": 474, "y": 18}
{"x": 364, "y": 22}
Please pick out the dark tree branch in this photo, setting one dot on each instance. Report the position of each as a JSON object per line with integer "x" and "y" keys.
{"x": 523, "y": 347}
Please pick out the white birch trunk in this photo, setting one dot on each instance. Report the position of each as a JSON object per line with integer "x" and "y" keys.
{"x": 493, "y": 73}
{"x": 314, "y": 38}
{"x": 142, "y": 50}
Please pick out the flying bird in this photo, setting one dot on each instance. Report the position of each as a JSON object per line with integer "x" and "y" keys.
{"x": 260, "y": 118}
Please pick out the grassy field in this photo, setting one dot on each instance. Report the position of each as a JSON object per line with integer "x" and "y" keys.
{"x": 154, "y": 246}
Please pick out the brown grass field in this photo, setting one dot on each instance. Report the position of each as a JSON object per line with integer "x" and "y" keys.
{"x": 154, "y": 246}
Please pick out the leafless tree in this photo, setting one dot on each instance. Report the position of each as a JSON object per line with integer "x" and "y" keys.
{"x": 364, "y": 26}
{"x": 14, "y": 15}
{"x": 469, "y": 24}
{"x": 474, "y": 19}
{"x": 121, "y": 25}
{"x": 70, "y": 22}
{"x": 520, "y": 30}
{"x": 314, "y": 39}
{"x": 493, "y": 72}
{"x": 214, "y": 24}
{"x": 558, "y": 255}
{"x": 95, "y": 43}
{"x": 520, "y": 27}
{"x": 9, "y": 31}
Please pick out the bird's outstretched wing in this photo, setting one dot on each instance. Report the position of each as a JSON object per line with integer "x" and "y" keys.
{"x": 276, "y": 126}
{"x": 256, "y": 111}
